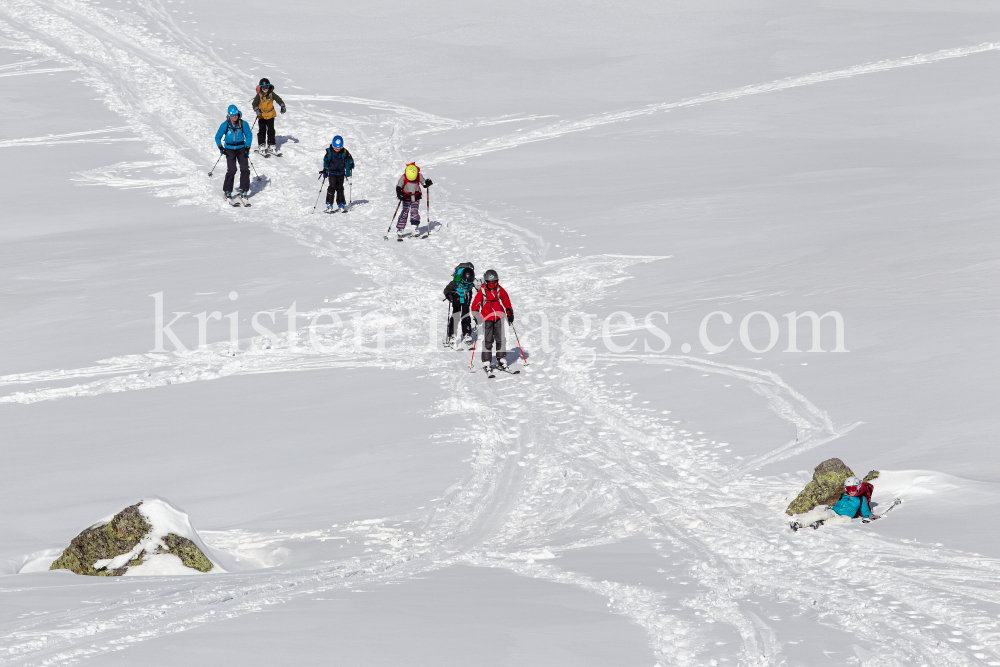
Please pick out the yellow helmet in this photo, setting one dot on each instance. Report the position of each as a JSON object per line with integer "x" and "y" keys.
{"x": 411, "y": 172}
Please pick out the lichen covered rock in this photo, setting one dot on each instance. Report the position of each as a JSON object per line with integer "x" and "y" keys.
{"x": 189, "y": 553}
{"x": 127, "y": 540}
{"x": 825, "y": 488}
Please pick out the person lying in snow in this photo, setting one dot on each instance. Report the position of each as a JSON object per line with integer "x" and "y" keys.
{"x": 854, "y": 502}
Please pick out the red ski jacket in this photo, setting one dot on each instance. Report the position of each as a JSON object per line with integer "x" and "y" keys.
{"x": 494, "y": 304}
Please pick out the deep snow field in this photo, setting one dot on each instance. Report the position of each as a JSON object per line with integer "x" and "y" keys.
{"x": 372, "y": 500}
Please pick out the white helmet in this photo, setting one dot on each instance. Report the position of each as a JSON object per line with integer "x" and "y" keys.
{"x": 852, "y": 481}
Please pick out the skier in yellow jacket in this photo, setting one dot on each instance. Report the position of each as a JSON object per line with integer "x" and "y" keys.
{"x": 263, "y": 104}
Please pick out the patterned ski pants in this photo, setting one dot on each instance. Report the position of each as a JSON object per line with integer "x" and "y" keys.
{"x": 411, "y": 208}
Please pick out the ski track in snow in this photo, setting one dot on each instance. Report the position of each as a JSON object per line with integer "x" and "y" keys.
{"x": 563, "y": 460}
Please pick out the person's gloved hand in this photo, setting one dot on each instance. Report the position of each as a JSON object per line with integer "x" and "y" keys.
{"x": 323, "y": 172}
{"x": 282, "y": 108}
{"x": 510, "y": 316}
{"x": 428, "y": 183}
{"x": 222, "y": 150}
{"x": 246, "y": 151}
{"x": 399, "y": 193}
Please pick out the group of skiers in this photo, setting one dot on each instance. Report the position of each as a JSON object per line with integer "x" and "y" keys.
{"x": 234, "y": 139}
{"x": 489, "y": 303}
{"x": 486, "y": 299}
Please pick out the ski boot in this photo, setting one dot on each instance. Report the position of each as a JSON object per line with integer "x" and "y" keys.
{"x": 244, "y": 198}
{"x": 232, "y": 199}
{"x": 341, "y": 208}
{"x": 502, "y": 364}
{"x": 467, "y": 340}
{"x": 448, "y": 341}
{"x": 329, "y": 208}
{"x": 260, "y": 150}
{"x": 488, "y": 369}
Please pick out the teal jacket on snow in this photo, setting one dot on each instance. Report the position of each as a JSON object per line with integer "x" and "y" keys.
{"x": 849, "y": 505}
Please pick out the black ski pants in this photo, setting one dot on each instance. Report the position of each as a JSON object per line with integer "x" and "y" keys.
{"x": 236, "y": 156}
{"x": 459, "y": 312}
{"x": 493, "y": 333}
{"x": 336, "y": 187}
{"x": 265, "y": 131}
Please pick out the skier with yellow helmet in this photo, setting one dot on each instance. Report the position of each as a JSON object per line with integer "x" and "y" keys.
{"x": 409, "y": 193}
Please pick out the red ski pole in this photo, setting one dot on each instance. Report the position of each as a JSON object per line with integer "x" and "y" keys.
{"x": 474, "y": 343}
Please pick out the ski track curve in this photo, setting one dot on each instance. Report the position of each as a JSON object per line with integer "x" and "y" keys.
{"x": 566, "y": 460}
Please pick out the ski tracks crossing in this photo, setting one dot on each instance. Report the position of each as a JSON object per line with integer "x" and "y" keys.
{"x": 563, "y": 458}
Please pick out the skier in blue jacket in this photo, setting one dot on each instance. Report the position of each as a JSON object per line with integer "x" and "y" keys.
{"x": 337, "y": 165}
{"x": 234, "y": 140}
{"x": 854, "y": 502}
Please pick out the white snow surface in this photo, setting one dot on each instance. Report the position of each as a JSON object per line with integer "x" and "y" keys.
{"x": 615, "y": 503}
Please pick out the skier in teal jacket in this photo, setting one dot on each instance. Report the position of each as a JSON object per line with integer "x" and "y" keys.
{"x": 234, "y": 140}
{"x": 855, "y": 501}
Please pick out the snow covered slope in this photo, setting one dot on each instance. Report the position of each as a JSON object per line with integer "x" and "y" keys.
{"x": 614, "y": 503}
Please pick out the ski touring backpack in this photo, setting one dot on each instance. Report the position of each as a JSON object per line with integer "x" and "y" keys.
{"x": 456, "y": 275}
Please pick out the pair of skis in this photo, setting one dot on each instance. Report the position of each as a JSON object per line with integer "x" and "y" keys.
{"x": 490, "y": 374}
{"x": 267, "y": 153}
{"x": 414, "y": 235}
{"x": 239, "y": 200}
{"x": 796, "y": 526}
{"x": 346, "y": 209}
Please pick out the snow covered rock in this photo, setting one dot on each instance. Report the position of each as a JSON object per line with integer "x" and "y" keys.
{"x": 825, "y": 488}
{"x": 151, "y": 537}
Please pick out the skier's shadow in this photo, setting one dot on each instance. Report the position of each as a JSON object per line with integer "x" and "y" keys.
{"x": 258, "y": 186}
{"x": 515, "y": 354}
{"x": 280, "y": 139}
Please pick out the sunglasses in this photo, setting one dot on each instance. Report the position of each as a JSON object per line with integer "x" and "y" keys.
{"x": 851, "y": 489}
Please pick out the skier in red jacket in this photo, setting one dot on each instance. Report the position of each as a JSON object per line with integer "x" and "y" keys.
{"x": 493, "y": 304}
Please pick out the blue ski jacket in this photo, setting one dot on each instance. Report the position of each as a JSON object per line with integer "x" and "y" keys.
{"x": 338, "y": 164}
{"x": 234, "y": 136}
{"x": 849, "y": 505}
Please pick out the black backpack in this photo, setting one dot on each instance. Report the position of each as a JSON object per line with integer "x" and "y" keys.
{"x": 456, "y": 275}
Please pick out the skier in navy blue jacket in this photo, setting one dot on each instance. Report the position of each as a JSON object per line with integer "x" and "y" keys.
{"x": 337, "y": 165}
{"x": 234, "y": 140}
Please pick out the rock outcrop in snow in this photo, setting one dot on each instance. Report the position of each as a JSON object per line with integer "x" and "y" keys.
{"x": 825, "y": 488}
{"x": 151, "y": 537}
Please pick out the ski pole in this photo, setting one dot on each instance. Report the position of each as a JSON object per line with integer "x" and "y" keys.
{"x": 214, "y": 166}
{"x": 350, "y": 191}
{"x": 447, "y": 320}
{"x": 519, "y": 348}
{"x": 393, "y": 220}
{"x": 319, "y": 193}
{"x": 252, "y": 167}
{"x": 428, "y": 211}
{"x": 474, "y": 343}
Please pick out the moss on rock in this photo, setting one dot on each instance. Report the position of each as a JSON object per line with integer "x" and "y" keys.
{"x": 120, "y": 536}
{"x": 826, "y": 487}
{"x": 189, "y": 553}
